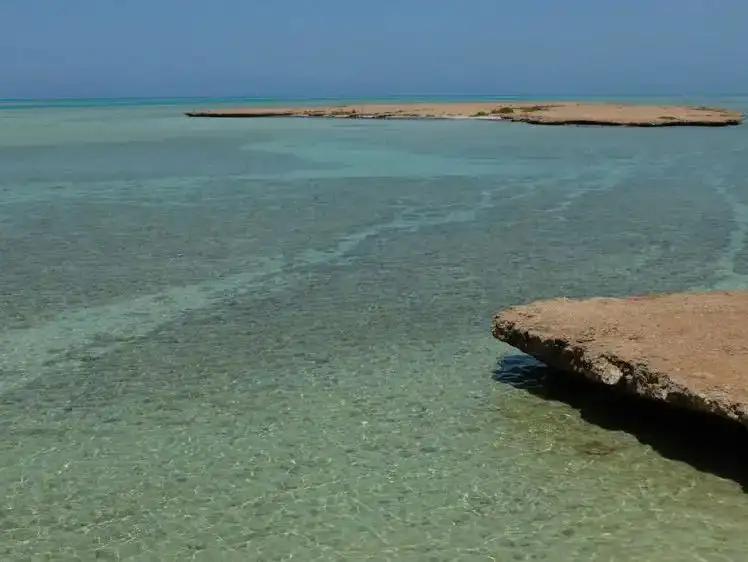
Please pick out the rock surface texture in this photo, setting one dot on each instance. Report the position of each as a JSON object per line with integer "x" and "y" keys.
{"x": 687, "y": 349}
{"x": 551, "y": 113}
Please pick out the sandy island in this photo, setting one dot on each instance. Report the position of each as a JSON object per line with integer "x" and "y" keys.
{"x": 688, "y": 349}
{"x": 550, "y": 113}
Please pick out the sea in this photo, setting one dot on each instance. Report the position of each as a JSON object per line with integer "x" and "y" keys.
{"x": 269, "y": 339}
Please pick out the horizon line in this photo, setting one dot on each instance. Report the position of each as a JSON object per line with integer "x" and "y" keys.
{"x": 381, "y": 96}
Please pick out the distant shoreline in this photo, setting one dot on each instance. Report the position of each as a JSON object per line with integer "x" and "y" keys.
{"x": 538, "y": 113}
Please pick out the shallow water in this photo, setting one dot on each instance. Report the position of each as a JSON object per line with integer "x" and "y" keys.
{"x": 269, "y": 339}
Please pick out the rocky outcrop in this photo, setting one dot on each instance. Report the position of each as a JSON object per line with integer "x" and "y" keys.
{"x": 242, "y": 113}
{"x": 687, "y": 349}
{"x": 627, "y": 115}
{"x": 561, "y": 113}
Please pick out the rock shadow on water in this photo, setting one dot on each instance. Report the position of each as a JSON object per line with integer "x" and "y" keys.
{"x": 707, "y": 443}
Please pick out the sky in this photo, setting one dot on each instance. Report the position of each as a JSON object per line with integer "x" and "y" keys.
{"x": 325, "y": 48}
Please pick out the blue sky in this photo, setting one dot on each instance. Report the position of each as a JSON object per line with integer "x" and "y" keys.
{"x": 110, "y": 48}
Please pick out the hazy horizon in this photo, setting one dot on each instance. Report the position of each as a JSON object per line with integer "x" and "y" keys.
{"x": 292, "y": 49}
{"x": 291, "y": 97}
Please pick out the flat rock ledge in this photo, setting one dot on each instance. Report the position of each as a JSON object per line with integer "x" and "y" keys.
{"x": 685, "y": 349}
{"x": 550, "y": 113}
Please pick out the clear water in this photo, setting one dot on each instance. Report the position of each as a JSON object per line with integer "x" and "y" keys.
{"x": 269, "y": 339}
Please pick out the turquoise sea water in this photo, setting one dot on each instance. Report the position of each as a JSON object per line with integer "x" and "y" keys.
{"x": 269, "y": 339}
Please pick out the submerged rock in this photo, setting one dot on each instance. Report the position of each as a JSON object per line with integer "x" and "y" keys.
{"x": 686, "y": 349}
